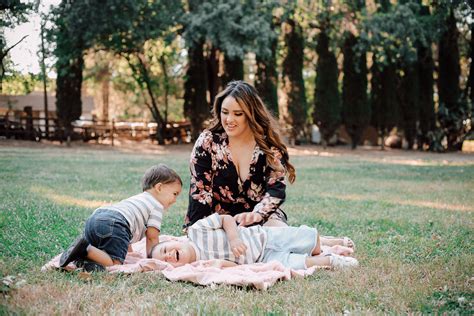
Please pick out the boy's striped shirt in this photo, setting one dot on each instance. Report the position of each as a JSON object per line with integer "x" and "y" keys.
{"x": 211, "y": 242}
{"x": 141, "y": 211}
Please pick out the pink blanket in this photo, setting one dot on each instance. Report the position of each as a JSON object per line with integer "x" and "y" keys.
{"x": 259, "y": 275}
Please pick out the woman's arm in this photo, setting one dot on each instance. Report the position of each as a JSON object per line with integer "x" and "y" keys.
{"x": 276, "y": 190}
{"x": 200, "y": 193}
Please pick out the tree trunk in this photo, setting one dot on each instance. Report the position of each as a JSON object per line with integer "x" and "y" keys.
{"x": 427, "y": 111}
{"x": 213, "y": 80}
{"x": 409, "y": 102}
{"x": 68, "y": 92}
{"x": 105, "y": 89}
{"x": 384, "y": 103}
{"x": 233, "y": 69}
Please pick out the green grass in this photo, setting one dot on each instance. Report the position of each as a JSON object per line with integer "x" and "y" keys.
{"x": 412, "y": 224}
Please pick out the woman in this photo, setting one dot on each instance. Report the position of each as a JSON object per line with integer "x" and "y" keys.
{"x": 238, "y": 166}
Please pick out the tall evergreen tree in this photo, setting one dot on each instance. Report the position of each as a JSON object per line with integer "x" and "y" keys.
{"x": 232, "y": 28}
{"x": 266, "y": 77}
{"x": 470, "y": 81}
{"x": 384, "y": 104}
{"x": 427, "y": 118}
{"x": 408, "y": 91}
{"x": 327, "y": 100}
{"x": 450, "y": 111}
{"x": 292, "y": 74}
{"x": 355, "y": 105}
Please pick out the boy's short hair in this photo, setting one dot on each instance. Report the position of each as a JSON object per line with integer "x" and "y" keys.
{"x": 159, "y": 174}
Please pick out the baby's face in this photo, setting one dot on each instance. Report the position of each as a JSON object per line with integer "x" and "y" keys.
{"x": 176, "y": 253}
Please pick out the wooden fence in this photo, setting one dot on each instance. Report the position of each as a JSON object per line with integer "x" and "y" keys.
{"x": 30, "y": 125}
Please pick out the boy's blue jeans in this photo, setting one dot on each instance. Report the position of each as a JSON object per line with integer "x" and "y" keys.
{"x": 109, "y": 231}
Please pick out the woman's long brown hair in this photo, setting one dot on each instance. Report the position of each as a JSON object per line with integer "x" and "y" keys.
{"x": 261, "y": 121}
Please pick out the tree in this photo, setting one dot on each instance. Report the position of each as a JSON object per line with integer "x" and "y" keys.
{"x": 266, "y": 76}
{"x": 69, "y": 65}
{"x": 408, "y": 91}
{"x": 125, "y": 28}
{"x": 327, "y": 100}
{"x": 355, "y": 105}
{"x": 391, "y": 34}
{"x": 12, "y": 13}
{"x": 427, "y": 119}
{"x": 232, "y": 28}
{"x": 450, "y": 111}
{"x": 292, "y": 74}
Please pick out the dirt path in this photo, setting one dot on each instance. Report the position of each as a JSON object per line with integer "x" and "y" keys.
{"x": 365, "y": 152}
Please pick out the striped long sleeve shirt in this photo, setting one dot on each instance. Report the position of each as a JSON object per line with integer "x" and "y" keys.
{"x": 210, "y": 241}
{"x": 141, "y": 211}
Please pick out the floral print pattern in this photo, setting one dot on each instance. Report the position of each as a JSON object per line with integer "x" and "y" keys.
{"x": 216, "y": 186}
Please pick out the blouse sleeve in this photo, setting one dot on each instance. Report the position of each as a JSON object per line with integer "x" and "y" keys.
{"x": 200, "y": 192}
{"x": 275, "y": 189}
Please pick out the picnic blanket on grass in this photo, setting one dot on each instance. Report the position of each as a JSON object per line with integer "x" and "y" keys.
{"x": 259, "y": 275}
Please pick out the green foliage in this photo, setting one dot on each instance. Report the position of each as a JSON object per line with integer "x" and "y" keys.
{"x": 123, "y": 27}
{"x": 394, "y": 34}
{"x": 15, "y": 83}
{"x": 235, "y": 27}
{"x": 454, "y": 123}
{"x": 12, "y": 13}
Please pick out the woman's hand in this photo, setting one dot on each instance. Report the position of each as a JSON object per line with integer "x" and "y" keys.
{"x": 238, "y": 247}
{"x": 246, "y": 219}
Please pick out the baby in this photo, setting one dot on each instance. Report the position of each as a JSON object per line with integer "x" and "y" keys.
{"x": 219, "y": 237}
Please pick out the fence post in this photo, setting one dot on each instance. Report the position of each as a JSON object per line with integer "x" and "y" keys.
{"x": 7, "y": 124}
{"x": 29, "y": 122}
{"x": 112, "y": 132}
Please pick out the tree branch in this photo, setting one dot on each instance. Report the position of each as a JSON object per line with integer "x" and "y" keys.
{"x": 3, "y": 54}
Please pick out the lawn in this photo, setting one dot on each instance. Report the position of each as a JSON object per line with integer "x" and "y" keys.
{"x": 410, "y": 215}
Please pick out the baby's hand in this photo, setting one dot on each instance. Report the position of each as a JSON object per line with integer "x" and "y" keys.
{"x": 249, "y": 218}
{"x": 238, "y": 247}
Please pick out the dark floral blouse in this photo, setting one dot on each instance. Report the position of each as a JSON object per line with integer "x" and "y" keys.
{"x": 217, "y": 187}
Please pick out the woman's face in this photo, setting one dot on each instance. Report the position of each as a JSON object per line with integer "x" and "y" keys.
{"x": 233, "y": 119}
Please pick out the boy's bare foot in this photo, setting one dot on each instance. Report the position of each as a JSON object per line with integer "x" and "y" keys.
{"x": 334, "y": 241}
